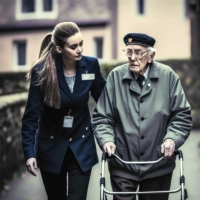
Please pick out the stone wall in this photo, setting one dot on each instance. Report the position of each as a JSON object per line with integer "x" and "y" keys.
{"x": 11, "y": 155}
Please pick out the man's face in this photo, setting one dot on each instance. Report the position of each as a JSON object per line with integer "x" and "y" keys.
{"x": 138, "y": 58}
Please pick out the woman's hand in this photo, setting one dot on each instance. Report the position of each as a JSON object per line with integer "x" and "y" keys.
{"x": 31, "y": 165}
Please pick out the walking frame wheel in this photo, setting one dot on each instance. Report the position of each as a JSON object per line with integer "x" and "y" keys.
{"x": 103, "y": 190}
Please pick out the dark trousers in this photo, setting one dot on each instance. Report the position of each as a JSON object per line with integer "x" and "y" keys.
{"x": 154, "y": 184}
{"x": 70, "y": 184}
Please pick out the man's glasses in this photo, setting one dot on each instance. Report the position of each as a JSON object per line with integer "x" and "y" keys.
{"x": 138, "y": 54}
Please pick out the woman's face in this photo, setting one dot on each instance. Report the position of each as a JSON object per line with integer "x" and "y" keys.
{"x": 73, "y": 47}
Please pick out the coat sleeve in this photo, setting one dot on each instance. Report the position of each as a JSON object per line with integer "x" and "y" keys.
{"x": 103, "y": 115}
{"x": 180, "y": 122}
{"x": 98, "y": 83}
{"x": 31, "y": 117}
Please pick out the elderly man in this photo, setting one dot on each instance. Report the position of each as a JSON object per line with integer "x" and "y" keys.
{"x": 141, "y": 111}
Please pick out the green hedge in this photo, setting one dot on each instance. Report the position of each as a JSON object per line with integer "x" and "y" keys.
{"x": 189, "y": 73}
{"x": 12, "y": 83}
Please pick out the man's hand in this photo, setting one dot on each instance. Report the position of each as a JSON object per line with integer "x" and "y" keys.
{"x": 31, "y": 165}
{"x": 168, "y": 147}
{"x": 109, "y": 147}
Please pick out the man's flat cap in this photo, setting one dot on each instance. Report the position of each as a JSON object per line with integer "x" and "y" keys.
{"x": 139, "y": 38}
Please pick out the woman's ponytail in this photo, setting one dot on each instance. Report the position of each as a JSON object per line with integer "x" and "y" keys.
{"x": 47, "y": 75}
{"x": 45, "y": 42}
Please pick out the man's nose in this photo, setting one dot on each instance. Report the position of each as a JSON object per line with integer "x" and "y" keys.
{"x": 133, "y": 57}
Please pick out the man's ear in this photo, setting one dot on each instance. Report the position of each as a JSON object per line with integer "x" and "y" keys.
{"x": 58, "y": 49}
{"x": 151, "y": 57}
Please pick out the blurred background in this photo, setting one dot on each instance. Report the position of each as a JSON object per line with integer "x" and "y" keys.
{"x": 175, "y": 24}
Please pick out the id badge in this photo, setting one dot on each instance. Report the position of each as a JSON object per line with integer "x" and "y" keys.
{"x": 68, "y": 121}
{"x": 86, "y": 77}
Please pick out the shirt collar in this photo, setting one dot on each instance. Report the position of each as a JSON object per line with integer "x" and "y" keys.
{"x": 146, "y": 74}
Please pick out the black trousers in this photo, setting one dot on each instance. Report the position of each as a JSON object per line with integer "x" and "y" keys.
{"x": 154, "y": 184}
{"x": 70, "y": 184}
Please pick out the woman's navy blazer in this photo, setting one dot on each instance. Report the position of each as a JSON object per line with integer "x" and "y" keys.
{"x": 43, "y": 134}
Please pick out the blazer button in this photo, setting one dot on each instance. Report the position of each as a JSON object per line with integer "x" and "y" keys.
{"x": 51, "y": 137}
{"x": 142, "y": 137}
{"x": 141, "y": 154}
{"x": 86, "y": 128}
{"x": 69, "y": 111}
{"x": 142, "y": 119}
{"x": 141, "y": 100}
{"x": 70, "y": 139}
{"x": 83, "y": 136}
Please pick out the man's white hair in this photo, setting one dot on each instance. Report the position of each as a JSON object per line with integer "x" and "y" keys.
{"x": 151, "y": 50}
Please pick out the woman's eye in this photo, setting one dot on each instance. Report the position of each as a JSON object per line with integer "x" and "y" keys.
{"x": 73, "y": 47}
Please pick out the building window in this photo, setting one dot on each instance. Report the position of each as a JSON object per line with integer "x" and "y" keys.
{"x": 47, "y": 5}
{"x": 99, "y": 47}
{"x": 141, "y": 6}
{"x": 28, "y": 6}
{"x": 19, "y": 54}
{"x": 36, "y": 9}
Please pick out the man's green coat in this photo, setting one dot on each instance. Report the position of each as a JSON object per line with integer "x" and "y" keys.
{"x": 138, "y": 121}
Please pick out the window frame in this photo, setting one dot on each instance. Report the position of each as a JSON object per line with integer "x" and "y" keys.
{"x": 16, "y": 66}
{"x": 96, "y": 47}
{"x": 39, "y": 12}
{"x": 140, "y": 7}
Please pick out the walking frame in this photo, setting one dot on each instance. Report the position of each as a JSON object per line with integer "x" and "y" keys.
{"x": 103, "y": 190}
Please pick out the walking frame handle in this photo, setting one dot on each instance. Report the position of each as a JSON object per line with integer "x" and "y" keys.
{"x": 182, "y": 178}
{"x": 105, "y": 155}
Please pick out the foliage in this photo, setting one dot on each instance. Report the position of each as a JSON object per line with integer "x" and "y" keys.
{"x": 12, "y": 82}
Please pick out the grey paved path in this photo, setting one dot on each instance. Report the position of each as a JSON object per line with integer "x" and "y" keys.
{"x": 30, "y": 188}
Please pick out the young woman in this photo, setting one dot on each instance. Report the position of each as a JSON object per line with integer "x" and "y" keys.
{"x": 56, "y": 131}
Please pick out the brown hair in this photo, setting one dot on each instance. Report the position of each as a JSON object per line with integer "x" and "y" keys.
{"x": 47, "y": 76}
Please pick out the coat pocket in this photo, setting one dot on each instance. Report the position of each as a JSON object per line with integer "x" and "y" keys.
{"x": 120, "y": 148}
{"x": 158, "y": 148}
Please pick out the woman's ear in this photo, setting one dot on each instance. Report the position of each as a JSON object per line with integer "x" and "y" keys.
{"x": 58, "y": 49}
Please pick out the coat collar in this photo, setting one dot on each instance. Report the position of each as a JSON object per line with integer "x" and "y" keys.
{"x": 153, "y": 71}
{"x": 153, "y": 74}
{"x": 61, "y": 79}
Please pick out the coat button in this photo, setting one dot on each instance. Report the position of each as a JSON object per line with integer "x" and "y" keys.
{"x": 86, "y": 128}
{"x": 70, "y": 139}
{"x": 51, "y": 137}
{"x": 142, "y": 137}
{"x": 141, "y": 154}
{"x": 141, "y": 100}
{"x": 83, "y": 136}
{"x": 142, "y": 119}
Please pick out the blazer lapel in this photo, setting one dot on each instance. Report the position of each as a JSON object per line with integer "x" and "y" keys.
{"x": 79, "y": 71}
{"x": 61, "y": 79}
